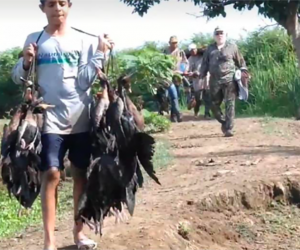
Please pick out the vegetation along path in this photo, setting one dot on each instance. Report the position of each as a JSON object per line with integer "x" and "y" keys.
{"x": 217, "y": 193}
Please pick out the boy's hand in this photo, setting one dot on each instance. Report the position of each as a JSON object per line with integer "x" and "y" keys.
{"x": 105, "y": 43}
{"x": 28, "y": 54}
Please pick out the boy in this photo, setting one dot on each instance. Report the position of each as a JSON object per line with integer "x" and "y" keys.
{"x": 67, "y": 66}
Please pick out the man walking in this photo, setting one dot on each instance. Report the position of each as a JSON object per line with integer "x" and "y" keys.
{"x": 221, "y": 60}
{"x": 200, "y": 86}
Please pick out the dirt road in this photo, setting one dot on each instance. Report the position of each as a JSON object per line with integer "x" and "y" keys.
{"x": 219, "y": 193}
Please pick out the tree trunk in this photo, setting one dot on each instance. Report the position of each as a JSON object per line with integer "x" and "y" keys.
{"x": 291, "y": 24}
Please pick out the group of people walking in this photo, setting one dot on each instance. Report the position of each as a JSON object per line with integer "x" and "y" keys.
{"x": 208, "y": 77}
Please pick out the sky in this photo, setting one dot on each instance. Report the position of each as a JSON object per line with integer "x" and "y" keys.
{"x": 18, "y": 18}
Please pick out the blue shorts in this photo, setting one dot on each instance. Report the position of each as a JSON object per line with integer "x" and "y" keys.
{"x": 55, "y": 147}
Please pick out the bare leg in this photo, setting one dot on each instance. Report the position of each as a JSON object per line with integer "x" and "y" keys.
{"x": 50, "y": 181}
{"x": 79, "y": 178}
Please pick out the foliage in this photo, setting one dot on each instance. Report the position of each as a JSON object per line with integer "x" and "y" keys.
{"x": 10, "y": 94}
{"x": 148, "y": 67}
{"x": 275, "y": 83}
{"x": 269, "y": 42}
{"x": 155, "y": 122}
{"x": 269, "y": 8}
{"x": 200, "y": 39}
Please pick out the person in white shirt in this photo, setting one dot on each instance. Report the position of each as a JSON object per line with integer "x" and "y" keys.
{"x": 200, "y": 86}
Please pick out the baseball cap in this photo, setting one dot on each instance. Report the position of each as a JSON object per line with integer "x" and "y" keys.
{"x": 218, "y": 29}
{"x": 192, "y": 46}
{"x": 173, "y": 39}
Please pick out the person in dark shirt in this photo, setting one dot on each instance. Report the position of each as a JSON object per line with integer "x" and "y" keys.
{"x": 221, "y": 59}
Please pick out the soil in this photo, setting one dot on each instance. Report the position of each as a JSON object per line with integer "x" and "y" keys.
{"x": 219, "y": 193}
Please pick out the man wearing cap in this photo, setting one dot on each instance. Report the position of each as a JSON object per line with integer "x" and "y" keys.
{"x": 181, "y": 65}
{"x": 200, "y": 86}
{"x": 178, "y": 54}
{"x": 221, "y": 59}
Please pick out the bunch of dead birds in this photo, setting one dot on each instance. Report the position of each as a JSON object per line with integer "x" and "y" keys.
{"x": 120, "y": 148}
{"x": 21, "y": 148}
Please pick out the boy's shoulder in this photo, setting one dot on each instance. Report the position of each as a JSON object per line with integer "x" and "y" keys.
{"x": 33, "y": 37}
{"x": 84, "y": 35}
{"x": 76, "y": 32}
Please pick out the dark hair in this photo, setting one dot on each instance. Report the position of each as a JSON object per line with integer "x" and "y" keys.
{"x": 43, "y": 1}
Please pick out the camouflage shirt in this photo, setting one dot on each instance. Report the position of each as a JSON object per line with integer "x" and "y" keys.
{"x": 221, "y": 64}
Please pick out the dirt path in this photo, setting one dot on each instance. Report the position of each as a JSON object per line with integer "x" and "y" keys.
{"x": 218, "y": 193}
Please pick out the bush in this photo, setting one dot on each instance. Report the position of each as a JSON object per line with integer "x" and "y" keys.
{"x": 155, "y": 122}
{"x": 10, "y": 93}
{"x": 275, "y": 84}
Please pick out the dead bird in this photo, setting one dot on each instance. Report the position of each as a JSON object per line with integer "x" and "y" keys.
{"x": 20, "y": 149}
{"x": 119, "y": 148}
{"x": 124, "y": 84}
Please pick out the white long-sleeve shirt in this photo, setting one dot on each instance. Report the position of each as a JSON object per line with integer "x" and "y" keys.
{"x": 66, "y": 69}
{"x": 194, "y": 66}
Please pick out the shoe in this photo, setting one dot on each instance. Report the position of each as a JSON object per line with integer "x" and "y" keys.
{"x": 179, "y": 118}
{"x": 228, "y": 133}
{"x": 86, "y": 244}
{"x": 173, "y": 118}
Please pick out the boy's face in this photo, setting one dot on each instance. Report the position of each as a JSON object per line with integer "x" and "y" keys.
{"x": 56, "y": 10}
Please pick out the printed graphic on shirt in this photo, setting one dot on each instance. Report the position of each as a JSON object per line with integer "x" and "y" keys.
{"x": 69, "y": 58}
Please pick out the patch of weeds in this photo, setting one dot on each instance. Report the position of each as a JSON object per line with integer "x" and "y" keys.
{"x": 280, "y": 219}
{"x": 162, "y": 157}
{"x": 271, "y": 126}
{"x": 246, "y": 232}
{"x": 10, "y": 221}
{"x": 184, "y": 230}
{"x": 155, "y": 123}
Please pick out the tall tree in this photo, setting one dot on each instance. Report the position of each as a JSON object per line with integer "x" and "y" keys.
{"x": 284, "y": 12}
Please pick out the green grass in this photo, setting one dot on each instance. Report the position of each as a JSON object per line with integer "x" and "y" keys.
{"x": 281, "y": 219}
{"x": 162, "y": 156}
{"x": 274, "y": 126}
{"x": 11, "y": 224}
{"x": 245, "y": 231}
